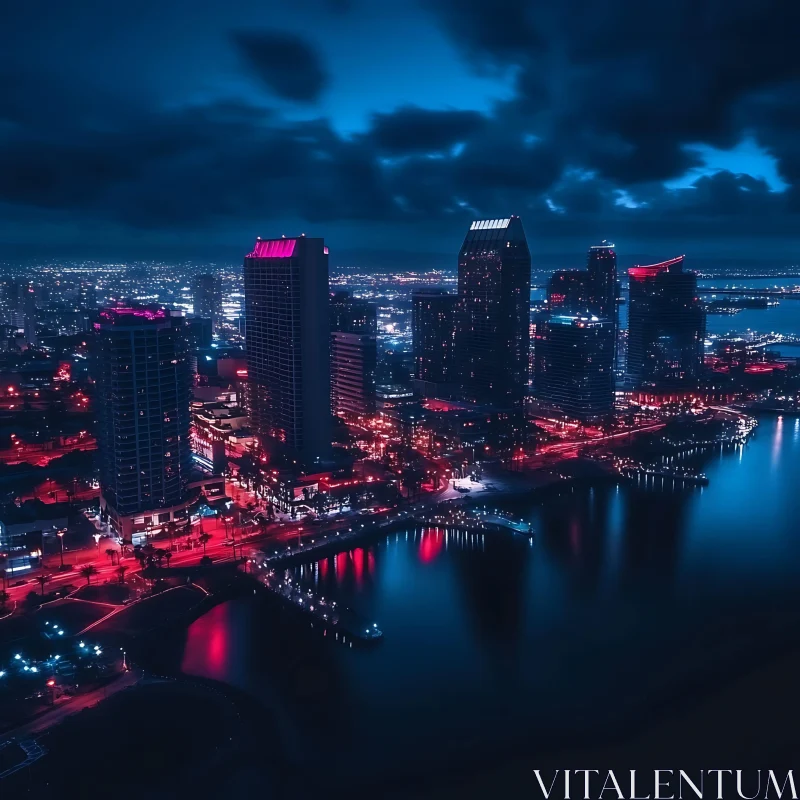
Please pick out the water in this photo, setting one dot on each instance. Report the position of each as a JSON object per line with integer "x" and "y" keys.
{"x": 627, "y": 601}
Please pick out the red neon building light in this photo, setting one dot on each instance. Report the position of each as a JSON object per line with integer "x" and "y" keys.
{"x": 273, "y": 248}
{"x": 639, "y": 273}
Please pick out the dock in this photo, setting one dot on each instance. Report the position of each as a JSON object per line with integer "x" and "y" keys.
{"x": 341, "y": 621}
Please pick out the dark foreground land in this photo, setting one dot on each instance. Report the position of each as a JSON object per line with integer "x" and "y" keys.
{"x": 161, "y": 739}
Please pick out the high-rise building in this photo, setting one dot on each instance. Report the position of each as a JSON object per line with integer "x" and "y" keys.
{"x": 602, "y": 272}
{"x": 568, "y": 291}
{"x": 493, "y": 316}
{"x": 666, "y": 326}
{"x": 433, "y": 320}
{"x": 207, "y": 298}
{"x": 351, "y": 315}
{"x": 29, "y": 313}
{"x": 575, "y": 365}
{"x": 354, "y": 355}
{"x": 288, "y": 344}
{"x": 142, "y": 373}
{"x": 353, "y": 362}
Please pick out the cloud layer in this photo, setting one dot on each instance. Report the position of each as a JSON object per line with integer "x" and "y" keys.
{"x": 609, "y": 102}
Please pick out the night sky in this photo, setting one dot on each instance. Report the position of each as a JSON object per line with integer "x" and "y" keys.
{"x": 169, "y": 127}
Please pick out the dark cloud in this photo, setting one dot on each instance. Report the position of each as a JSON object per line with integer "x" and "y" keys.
{"x": 608, "y": 99}
{"x": 624, "y": 85}
{"x": 418, "y": 130}
{"x": 287, "y": 64}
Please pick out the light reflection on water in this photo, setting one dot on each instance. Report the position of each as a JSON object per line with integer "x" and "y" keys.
{"x": 490, "y": 642}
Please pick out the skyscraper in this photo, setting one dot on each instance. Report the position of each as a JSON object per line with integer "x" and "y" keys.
{"x": 288, "y": 343}
{"x": 354, "y": 355}
{"x": 29, "y": 313}
{"x": 666, "y": 326}
{"x": 602, "y": 271}
{"x": 493, "y": 316}
{"x": 433, "y": 334}
{"x": 142, "y": 373}
{"x": 353, "y": 363}
{"x": 575, "y": 365}
{"x": 207, "y": 298}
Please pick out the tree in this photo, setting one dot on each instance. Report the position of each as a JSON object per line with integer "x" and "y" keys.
{"x": 4, "y": 598}
{"x": 87, "y": 572}
{"x": 172, "y": 529}
{"x": 42, "y": 580}
{"x": 204, "y": 539}
{"x": 121, "y": 570}
{"x": 3, "y": 575}
{"x": 111, "y": 553}
{"x": 167, "y": 557}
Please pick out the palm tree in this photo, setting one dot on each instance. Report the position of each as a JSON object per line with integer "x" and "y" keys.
{"x": 111, "y": 552}
{"x": 204, "y": 538}
{"x": 42, "y": 580}
{"x": 87, "y": 572}
{"x": 4, "y": 598}
{"x": 121, "y": 573}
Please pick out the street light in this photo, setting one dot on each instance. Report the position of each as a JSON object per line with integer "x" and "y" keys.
{"x": 97, "y": 538}
{"x": 60, "y": 534}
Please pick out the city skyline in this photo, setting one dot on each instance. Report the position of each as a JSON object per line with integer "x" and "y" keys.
{"x": 590, "y": 130}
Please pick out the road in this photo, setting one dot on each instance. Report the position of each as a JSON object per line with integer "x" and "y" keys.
{"x": 74, "y": 705}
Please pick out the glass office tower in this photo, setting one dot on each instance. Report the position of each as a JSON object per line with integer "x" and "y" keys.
{"x": 493, "y": 315}
{"x": 141, "y": 367}
{"x": 288, "y": 344}
{"x": 575, "y": 366}
{"x": 666, "y": 326}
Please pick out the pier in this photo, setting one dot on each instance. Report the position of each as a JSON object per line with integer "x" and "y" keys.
{"x": 675, "y": 474}
{"x": 341, "y": 621}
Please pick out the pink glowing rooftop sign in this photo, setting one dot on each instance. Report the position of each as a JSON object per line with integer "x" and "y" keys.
{"x": 273, "y": 248}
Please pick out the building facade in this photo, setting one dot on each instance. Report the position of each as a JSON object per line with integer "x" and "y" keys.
{"x": 575, "y": 366}
{"x": 568, "y": 291}
{"x": 207, "y": 298}
{"x": 288, "y": 344}
{"x": 353, "y": 362}
{"x": 433, "y": 322}
{"x": 143, "y": 377}
{"x": 601, "y": 269}
{"x": 666, "y": 326}
{"x": 492, "y": 334}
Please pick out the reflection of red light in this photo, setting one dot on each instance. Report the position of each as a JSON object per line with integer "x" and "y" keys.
{"x": 51, "y": 682}
{"x": 358, "y": 565}
{"x": 207, "y": 644}
{"x": 323, "y": 567}
{"x": 430, "y": 546}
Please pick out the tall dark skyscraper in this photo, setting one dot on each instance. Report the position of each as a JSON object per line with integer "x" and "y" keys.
{"x": 602, "y": 271}
{"x": 288, "y": 343}
{"x": 666, "y": 326}
{"x": 433, "y": 320}
{"x": 29, "y": 313}
{"x": 575, "y": 365}
{"x": 207, "y": 298}
{"x": 143, "y": 381}
{"x": 354, "y": 355}
{"x": 493, "y": 317}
